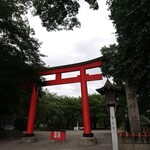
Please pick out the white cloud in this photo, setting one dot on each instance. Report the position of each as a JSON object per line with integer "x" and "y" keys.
{"x": 82, "y": 44}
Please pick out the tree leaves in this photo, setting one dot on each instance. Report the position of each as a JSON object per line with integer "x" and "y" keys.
{"x": 132, "y": 22}
{"x": 93, "y": 4}
{"x": 58, "y": 14}
{"x": 20, "y": 58}
{"x": 18, "y": 52}
{"x": 66, "y": 112}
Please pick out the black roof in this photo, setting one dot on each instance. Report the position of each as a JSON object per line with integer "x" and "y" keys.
{"x": 108, "y": 85}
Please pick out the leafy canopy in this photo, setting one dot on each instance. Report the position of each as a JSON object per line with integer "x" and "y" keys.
{"x": 20, "y": 58}
{"x": 59, "y": 14}
{"x": 130, "y": 59}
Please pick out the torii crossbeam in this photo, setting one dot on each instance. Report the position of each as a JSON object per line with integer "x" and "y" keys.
{"x": 82, "y": 79}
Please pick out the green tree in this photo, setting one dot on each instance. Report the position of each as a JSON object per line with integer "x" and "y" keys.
{"x": 19, "y": 54}
{"x": 20, "y": 58}
{"x": 58, "y": 14}
{"x": 132, "y": 22}
{"x": 48, "y": 111}
{"x": 128, "y": 61}
{"x": 98, "y": 111}
{"x": 57, "y": 112}
{"x": 72, "y": 111}
{"x": 111, "y": 64}
{"x": 63, "y": 112}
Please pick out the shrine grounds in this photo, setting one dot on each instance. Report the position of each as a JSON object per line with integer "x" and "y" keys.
{"x": 71, "y": 143}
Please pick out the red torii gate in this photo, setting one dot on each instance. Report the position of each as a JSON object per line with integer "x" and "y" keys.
{"x": 82, "y": 78}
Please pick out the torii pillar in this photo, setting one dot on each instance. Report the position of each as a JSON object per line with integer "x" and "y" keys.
{"x": 88, "y": 137}
{"x": 85, "y": 105}
{"x": 29, "y": 136}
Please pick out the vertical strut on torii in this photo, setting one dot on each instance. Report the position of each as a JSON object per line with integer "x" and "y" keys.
{"x": 82, "y": 79}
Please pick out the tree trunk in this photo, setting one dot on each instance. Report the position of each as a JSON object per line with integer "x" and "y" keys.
{"x": 133, "y": 110}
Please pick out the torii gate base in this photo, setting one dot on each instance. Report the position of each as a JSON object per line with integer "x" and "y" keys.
{"x": 30, "y": 139}
{"x": 88, "y": 140}
{"x": 88, "y": 137}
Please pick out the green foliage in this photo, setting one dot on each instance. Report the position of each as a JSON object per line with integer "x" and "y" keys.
{"x": 121, "y": 111}
{"x": 111, "y": 63}
{"x": 132, "y": 23}
{"x": 20, "y": 58}
{"x": 58, "y": 14}
{"x": 63, "y": 112}
{"x": 99, "y": 114}
{"x": 93, "y": 4}
{"x": 130, "y": 58}
{"x": 57, "y": 112}
{"x": 19, "y": 55}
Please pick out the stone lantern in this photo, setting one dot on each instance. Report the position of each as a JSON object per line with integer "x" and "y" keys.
{"x": 109, "y": 91}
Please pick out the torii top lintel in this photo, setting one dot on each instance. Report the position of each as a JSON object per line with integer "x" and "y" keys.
{"x": 57, "y": 71}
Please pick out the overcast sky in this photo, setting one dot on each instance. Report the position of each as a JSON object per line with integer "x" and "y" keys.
{"x": 79, "y": 45}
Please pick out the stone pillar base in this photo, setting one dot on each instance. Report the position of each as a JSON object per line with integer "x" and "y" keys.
{"x": 30, "y": 139}
{"x": 88, "y": 141}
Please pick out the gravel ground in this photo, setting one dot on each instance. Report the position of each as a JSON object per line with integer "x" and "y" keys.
{"x": 71, "y": 143}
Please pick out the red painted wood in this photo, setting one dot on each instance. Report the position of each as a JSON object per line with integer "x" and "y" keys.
{"x": 94, "y": 77}
{"x": 69, "y": 68}
{"x": 59, "y": 81}
{"x": 32, "y": 110}
{"x": 82, "y": 78}
{"x": 85, "y": 103}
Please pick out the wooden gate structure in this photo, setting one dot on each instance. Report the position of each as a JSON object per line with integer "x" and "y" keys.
{"x": 83, "y": 78}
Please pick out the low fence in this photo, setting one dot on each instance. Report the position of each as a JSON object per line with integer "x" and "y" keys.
{"x": 134, "y": 141}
